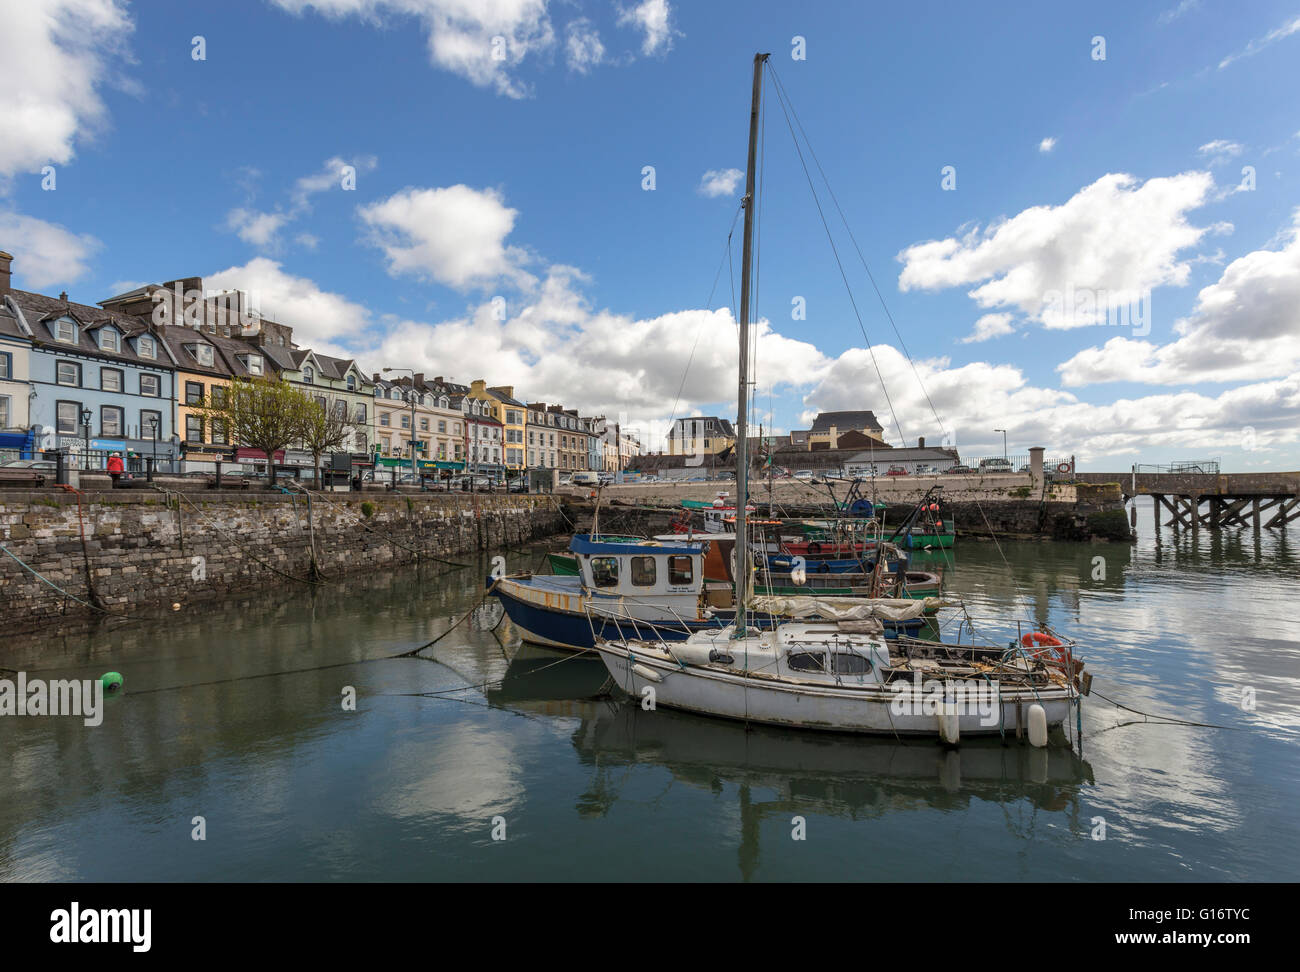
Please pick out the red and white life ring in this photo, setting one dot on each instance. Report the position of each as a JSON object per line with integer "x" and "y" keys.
{"x": 1063, "y": 467}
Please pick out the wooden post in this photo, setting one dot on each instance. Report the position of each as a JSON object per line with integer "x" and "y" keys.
{"x": 1255, "y": 512}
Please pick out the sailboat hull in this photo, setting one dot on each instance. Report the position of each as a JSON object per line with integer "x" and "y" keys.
{"x": 866, "y": 710}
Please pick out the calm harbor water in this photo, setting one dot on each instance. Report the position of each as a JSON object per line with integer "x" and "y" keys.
{"x": 230, "y": 713}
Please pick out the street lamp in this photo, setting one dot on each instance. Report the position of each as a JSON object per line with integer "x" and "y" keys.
{"x": 85, "y": 427}
{"x": 153, "y": 432}
{"x": 1004, "y": 442}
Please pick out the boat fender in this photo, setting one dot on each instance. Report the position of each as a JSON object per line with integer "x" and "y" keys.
{"x": 1037, "y": 726}
{"x": 949, "y": 725}
{"x": 720, "y": 658}
{"x": 814, "y": 547}
{"x": 647, "y": 673}
{"x": 112, "y": 681}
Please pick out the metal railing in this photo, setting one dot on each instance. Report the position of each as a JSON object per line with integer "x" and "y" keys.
{"x": 1208, "y": 467}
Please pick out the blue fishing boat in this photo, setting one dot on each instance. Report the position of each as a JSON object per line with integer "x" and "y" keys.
{"x": 648, "y": 588}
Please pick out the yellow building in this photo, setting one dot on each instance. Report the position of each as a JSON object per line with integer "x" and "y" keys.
{"x": 829, "y": 426}
{"x": 205, "y": 365}
{"x": 513, "y": 416}
{"x": 702, "y": 435}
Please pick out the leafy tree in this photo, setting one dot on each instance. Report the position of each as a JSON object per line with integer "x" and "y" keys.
{"x": 260, "y": 413}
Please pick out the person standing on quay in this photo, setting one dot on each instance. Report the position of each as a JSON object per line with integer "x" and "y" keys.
{"x": 115, "y": 467}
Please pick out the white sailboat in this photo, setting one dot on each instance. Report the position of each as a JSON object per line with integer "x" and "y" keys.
{"x": 838, "y": 672}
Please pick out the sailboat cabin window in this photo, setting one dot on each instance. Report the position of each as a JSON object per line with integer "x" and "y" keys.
{"x": 604, "y": 571}
{"x": 680, "y": 570}
{"x": 848, "y": 663}
{"x": 806, "y": 661}
{"x": 643, "y": 571}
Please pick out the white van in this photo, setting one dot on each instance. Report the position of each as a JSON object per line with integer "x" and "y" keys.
{"x": 586, "y": 478}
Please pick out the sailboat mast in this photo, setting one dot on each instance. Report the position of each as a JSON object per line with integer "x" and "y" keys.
{"x": 742, "y": 396}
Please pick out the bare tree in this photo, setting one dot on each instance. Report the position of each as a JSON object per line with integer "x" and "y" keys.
{"x": 326, "y": 428}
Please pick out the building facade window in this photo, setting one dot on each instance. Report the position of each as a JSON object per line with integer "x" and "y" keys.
{"x": 65, "y": 332}
{"x": 67, "y": 415}
{"x": 149, "y": 386}
{"x": 68, "y": 373}
{"x": 4, "y": 411}
{"x": 193, "y": 428}
{"x": 6, "y": 365}
{"x": 110, "y": 379}
{"x": 145, "y": 347}
{"x": 109, "y": 340}
{"x": 360, "y": 415}
{"x": 148, "y": 430}
{"x": 194, "y": 393}
{"x": 308, "y": 376}
{"x": 110, "y": 420}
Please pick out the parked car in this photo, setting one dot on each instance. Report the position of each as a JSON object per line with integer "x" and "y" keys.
{"x": 895, "y": 471}
{"x": 30, "y": 464}
{"x": 804, "y": 475}
{"x": 959, "y": 470}
{"x": 925, "y": 469}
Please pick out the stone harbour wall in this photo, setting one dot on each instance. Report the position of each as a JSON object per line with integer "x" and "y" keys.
{"x": 149, "y": 549}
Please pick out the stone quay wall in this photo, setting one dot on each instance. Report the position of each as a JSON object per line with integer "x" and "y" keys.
{"x": 146, "y": 549}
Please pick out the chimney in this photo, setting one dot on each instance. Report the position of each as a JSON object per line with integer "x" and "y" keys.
{"x": 63, "y": 296}
{"x": 6, "y": 261}
{"x": 376, "y": 378}
{"x": 920, "y": 443}
{"x": 419, "y": 379}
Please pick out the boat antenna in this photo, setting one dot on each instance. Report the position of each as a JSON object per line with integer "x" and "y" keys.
{"x": 742, "y": 395}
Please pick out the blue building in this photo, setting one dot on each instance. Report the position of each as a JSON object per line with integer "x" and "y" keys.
{"x": 96, "y": 378}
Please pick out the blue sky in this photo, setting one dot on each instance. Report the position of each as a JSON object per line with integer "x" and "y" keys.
{"x": 1120, "y": 179}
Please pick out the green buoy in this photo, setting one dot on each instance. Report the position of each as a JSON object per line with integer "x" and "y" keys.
{"x": 112, "y": 681}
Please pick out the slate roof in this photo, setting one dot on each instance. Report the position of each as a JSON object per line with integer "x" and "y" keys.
{"x": 843, "y": 421}
{"x": 723, "y": 424}
{"x": 40, "y": 313}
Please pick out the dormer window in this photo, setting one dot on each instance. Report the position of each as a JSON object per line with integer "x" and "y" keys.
{"x": 253, "y": 363}
{"x": 65, "y": 332}
{"x": 110, "y": 340}
{"x": 443, "y": 402}
{"x": 202, "y": 353}
{"x": 308, "y": 375}
{"x": 352, "y": 382}
{"x": 145, "y": 347}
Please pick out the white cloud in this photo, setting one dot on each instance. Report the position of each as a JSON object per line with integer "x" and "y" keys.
{"x": 321, "y": 320}
{"x": 45, "y": 254}
{"x": 255, "y": 228}
{"x": 1047, "y": 144}
{"x": 454, "y": 235}
{"x": 54, "y": 57}
{"x": 1169, "y": 16}
{"x": 990, "y": 326}
{"x": 975, "y": 398}
{"x": 1220, "y": 150}
{"x": 654, "y": 18}
{"x": 479, "y": 40}
{"x": 583, "y": 49}
{"x": 1114, "y": 238}
{"x": 1245, "y": 326}
{"x": 262, "y": 229}
{"x": 1257, "y": 45}
{"x": 720, "y": 182}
